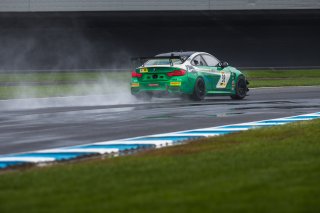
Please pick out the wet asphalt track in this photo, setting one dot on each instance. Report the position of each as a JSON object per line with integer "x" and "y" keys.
{"x": 44, "y": 126}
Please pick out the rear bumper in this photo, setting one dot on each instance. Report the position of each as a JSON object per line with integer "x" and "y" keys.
{"x": 157, "y": 93}
{"x": 158, "y": 88}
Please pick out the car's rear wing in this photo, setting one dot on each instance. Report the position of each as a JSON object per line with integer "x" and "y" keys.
{"x": 142, "y": 60}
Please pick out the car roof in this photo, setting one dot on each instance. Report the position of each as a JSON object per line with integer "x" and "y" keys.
{"x": 182, "y": 54}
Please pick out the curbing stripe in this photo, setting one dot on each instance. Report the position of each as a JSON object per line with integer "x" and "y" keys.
{"x": 219, "y": 132}
{"x": 139, "y": 143}
{"x": 173, "y": 138}
{"x": 56, "y": 155}
{"x": 87, "y": 151}
{"x": 119, "y": 147}
{"x": 27, "y": 159}
{"x": 155, "y": 143}
{"x": 4, "y": 165}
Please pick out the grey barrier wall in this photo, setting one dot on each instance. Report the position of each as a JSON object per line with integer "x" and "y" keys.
{"x": 106, "y": 40}
{"x": 148, "y": 5}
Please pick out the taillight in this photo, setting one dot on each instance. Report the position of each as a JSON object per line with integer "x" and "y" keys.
{"x": 136, "y": 75}
{"x": 177, "y": 73}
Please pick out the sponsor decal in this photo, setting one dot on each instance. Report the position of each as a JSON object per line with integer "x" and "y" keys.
{"x": 144, "y": 70}
{"x": 175, "y": 83}
{"x": 135, "y": 84}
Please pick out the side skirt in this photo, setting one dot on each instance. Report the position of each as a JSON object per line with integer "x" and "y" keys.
{"x": 218, "y": 93}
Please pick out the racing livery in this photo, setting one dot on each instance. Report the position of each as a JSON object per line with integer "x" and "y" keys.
{"x": 191, "y": 74}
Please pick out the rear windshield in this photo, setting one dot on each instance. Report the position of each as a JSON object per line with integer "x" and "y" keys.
{"x": 162, "y": 62}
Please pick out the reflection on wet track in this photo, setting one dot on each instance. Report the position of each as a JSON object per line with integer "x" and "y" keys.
{"x": 56, "y": 122}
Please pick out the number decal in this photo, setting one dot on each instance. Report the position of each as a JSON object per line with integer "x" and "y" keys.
{"x": 224, "y": 79}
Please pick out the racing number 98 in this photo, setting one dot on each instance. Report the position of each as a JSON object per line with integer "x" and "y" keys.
{"x": 223, "y": 78}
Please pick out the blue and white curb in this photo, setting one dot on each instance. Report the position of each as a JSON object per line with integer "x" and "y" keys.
{"x": 119, "y": 147}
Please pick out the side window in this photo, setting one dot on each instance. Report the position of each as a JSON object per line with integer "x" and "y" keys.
{"x": 198, "y": 61}
{"x": 211, "y": 61}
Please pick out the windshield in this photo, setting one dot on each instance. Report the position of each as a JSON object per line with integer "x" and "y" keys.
{"x": 164, "y": 61}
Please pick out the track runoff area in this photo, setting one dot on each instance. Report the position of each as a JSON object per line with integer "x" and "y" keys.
{"x": 131, "y": 145}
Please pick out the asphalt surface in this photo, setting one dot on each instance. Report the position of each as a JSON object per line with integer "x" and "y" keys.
{"x": 32, "y": 124}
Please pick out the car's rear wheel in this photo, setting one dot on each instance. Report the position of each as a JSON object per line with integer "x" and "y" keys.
{"x": 199, "y": 91}
{"x": 241, "y": 88}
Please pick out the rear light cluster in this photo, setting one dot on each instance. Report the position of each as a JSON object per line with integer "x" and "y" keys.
{"x": 177, "y": 73}
{"x": 136, "y": 75}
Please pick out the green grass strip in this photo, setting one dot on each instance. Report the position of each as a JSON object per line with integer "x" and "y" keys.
{"x": 266, "y": 170}
{"x": 61, "y": 84}
{"x": 277, "y": 78}
{"x": 61, "y": 76}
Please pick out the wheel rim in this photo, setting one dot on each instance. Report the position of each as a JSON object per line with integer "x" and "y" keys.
{"x": 201, "y": 88}
{"x": 242, "y": 88}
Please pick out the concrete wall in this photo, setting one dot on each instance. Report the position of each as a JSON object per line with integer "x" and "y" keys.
{"x": 107, "y": 40}
{"x": 152, "y": 5}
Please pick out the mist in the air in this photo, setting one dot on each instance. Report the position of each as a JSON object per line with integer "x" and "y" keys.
{"x": 96, "y": 95}
{"x": 50, "y": 50}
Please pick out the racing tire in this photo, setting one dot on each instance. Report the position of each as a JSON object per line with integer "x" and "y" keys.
{"x": 199, "y": 91}
{"x": 241, "y": 88}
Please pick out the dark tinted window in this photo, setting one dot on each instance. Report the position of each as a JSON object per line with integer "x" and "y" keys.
{"x": 162, "y": 62}
{"x": 184, "y": 55}
{"x": 198, "y": 61}
{"x": 210, "y": 60}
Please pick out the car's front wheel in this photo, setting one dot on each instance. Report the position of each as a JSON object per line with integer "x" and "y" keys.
{"x": 241, "y": 88}
{"x": 199, "y": 91}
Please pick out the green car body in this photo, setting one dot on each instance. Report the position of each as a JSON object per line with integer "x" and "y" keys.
{"x": 193, "y": 74}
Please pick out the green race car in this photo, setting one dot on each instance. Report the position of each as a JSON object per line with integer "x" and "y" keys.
{"x": 191, "y": 74}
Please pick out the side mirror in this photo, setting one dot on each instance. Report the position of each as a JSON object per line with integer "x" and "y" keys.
{"x": 223, "y": 64}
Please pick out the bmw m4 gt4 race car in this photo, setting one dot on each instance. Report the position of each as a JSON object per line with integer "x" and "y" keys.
{"x": 191, "y": 74}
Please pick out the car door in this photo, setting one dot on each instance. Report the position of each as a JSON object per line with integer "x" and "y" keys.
{"x": 221, "y": 75}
